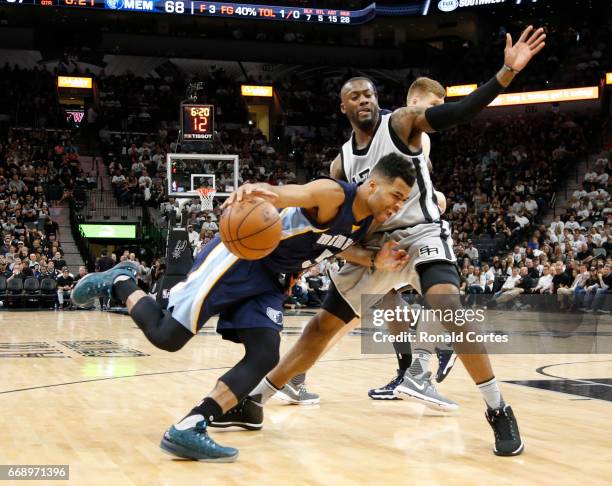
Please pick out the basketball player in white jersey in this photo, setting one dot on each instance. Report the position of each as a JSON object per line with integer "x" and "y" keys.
{"x": 417, "y": 228}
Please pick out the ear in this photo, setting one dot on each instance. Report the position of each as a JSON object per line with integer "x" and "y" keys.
{"x": 342, "y": 108}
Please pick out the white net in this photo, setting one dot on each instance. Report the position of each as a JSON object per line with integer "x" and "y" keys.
{"x": 206, "y": 198}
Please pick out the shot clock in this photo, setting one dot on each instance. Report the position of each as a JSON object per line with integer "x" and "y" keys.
{"x": 197, "y": 121}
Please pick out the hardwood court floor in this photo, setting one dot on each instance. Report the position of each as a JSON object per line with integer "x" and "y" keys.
{"x": 91, "y": 401}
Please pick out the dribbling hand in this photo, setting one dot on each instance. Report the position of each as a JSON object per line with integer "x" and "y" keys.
{"x": 249, "y": 191}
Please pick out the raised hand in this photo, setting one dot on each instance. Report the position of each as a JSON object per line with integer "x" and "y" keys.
{"x": 530, "y": 42}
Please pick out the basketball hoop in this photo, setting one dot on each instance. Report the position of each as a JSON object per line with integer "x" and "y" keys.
{"x": 206, "y": 198}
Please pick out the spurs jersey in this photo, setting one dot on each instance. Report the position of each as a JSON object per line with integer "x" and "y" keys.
{"x": 422, "y": 205}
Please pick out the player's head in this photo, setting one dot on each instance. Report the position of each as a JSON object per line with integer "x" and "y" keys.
{"x": 359, "y": 102}
{"x": 425, "y": 92}
{"x": 388, "y": 185}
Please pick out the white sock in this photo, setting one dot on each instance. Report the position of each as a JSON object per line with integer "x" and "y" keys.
{"x": 421, "y": 360}
{"x": 262, "y": 392}
{"x": 491, "y": 394}
{"x": 121, "y": 278}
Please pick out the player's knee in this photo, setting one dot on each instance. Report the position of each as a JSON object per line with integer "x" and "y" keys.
{"x": 168, "y": 344}
{"x": 262, "y": 349}
{"x": 443, "y": 296}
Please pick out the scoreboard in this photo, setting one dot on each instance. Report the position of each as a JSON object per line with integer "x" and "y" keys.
{"x": 228, "y": 10}
{"x": 197, "y": 122}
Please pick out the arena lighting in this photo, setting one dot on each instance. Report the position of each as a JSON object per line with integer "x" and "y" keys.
{"x": 547, "y": 96}
{"x": 253, "y": 90}
{"x": 460, "y": 90}
{"x": 531, "y": 97}
{"x": 74, "y": 82}
{"x": 608, "y": 78}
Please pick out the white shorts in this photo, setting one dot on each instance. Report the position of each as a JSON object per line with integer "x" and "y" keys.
{"x": 425, "y": 243}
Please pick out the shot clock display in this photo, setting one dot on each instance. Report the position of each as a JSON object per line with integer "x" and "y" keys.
{"x": 197, "y": 121}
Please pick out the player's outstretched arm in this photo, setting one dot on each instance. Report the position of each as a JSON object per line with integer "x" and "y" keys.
{"x": 322, "y": 192}
{"x": 410, "y": 121}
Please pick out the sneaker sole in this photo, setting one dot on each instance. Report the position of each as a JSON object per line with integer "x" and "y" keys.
{"x": 518, "y": 451}
{"x": 182, "y": 453}
{"x": 242, "y": 425}
{"x": 286, "y": 398}
{"x": 375, "y": 396}
{"x": 430, "y": 402}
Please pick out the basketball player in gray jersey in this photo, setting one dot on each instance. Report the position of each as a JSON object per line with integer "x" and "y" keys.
{"x": 418, "y": 231}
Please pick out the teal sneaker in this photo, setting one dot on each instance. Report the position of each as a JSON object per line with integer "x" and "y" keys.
{"x": 189, "y": 439}
{"x": 100, "y": 284}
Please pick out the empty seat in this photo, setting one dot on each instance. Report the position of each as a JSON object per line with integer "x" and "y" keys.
{"x": 14, "y": 291}
{"x": 31, "y": 292}
{"x": 48, "y": 292}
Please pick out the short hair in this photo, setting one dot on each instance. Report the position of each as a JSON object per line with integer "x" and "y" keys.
{"x": 426, "y": 85}
{"x": 394, "y": 165}
{"x": 358, "y": 78}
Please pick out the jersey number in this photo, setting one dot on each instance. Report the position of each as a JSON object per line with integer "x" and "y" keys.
{"x": 361, "y": 176}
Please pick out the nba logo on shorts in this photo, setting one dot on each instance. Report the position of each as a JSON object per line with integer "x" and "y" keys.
{"x": 428, "y": 251}
{"x": 275, "y": 316}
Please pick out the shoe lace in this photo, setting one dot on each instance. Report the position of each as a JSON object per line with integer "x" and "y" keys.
{"x": 393, "y": 383}
{"x": 237, "y": 410}
{"x": 504, "y": 425}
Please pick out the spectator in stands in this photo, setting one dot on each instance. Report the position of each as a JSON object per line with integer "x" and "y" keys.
{"x": 81, "y": 274}
{"x": 509, "y": 289}
{"x": 104, "y": 262}
{"x": 65, "y": 283}
{"x": 565, "y": 294}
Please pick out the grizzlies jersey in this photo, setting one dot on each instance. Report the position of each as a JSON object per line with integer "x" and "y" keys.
{"x": 305, "y": 243}
{"x": 422, "y": 205}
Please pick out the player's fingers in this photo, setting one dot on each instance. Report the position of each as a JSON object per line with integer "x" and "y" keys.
{"x": 534, "y": 36}
{"x": 538, "y": 49}
{"x": 267, "y": 194}
{"x": 508, "y": 41}
{"x": 537, "y": 42}
{"x": 525, "y": 34}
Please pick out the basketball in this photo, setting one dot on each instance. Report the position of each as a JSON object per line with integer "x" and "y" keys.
{"x": 251, "y": 229}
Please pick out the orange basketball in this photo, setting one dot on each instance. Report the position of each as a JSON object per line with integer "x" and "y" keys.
{"x": 251, "y": 229}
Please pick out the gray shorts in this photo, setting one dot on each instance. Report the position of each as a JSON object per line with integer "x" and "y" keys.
{"x": 425, "y": 243}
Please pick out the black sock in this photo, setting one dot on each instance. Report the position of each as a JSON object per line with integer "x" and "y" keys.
{"x": 208, "y": 408}
{"x": 403, "y": 361}
{"x": 124, "y": 288}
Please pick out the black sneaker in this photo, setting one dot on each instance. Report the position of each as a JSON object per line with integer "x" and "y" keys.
{"x": 386, "y": 392}
{"x": 508, "y": 440}
{"x": 248, "y": 414}
{"x": 446, "y": 361}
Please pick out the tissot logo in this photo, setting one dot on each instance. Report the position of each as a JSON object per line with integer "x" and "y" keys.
{"x": 448, "y": 5}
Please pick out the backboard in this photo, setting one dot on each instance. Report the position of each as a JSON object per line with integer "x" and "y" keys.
{"x": 188, "y": 172}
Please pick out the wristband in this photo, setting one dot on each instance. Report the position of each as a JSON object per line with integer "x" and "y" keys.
{"x": 372, "y": 258}
{"x": 510, "y": 69}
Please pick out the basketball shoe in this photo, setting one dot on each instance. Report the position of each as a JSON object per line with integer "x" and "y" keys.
{"x": 248, "y": 414}
{"x": 100, "y": 284}
{"x": 297, "y": 395}
{"x": 422, "y": 389}
{"x": 386, "y": 392}
{"x": 508, "y": 440}
{"x": 189, "y": 439}
{"x": 446, "y": 361}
